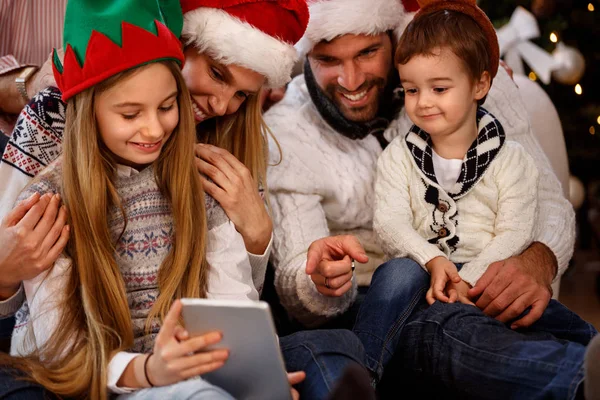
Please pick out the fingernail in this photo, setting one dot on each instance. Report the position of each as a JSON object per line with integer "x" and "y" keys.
{"x": 32, "y": 196}
{"x": 68, "y": 228}
{"x": 58, "y": 197}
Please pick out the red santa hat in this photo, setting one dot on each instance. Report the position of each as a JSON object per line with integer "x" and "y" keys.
{"x": 332, "y": 18}
{"x": 255, "y": 34}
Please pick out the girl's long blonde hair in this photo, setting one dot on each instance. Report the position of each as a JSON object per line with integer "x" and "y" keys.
{"x": 95, "y": 320}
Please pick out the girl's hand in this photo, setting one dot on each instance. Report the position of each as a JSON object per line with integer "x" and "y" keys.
{"x": 459, "y": 290}
{"x": 443, "y": 272}
{"x": 295, "y": 378}
{"x": 178, "y": 357}
{"x": 236, "y": 191}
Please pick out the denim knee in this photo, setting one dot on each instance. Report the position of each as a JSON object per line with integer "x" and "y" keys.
{"x": 398, "y": 274}
{"x": 327, "y": 341}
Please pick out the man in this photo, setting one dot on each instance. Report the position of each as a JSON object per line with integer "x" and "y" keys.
{"x": 331, "y": 127}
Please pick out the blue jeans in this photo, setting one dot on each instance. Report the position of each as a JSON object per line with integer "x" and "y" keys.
{"x": 13, "y": 388}
{"x": 397, "y": 287}
{"x": 323, "y": 355}
{"x": 480, "y": 357}
{"x": 191, "y": 389}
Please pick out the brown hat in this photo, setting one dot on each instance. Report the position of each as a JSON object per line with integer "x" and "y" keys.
{"x": 468, "y": 7}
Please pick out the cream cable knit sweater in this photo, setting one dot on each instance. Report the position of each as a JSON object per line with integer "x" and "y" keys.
{"x": 324, "y": 186}
{"x": 493, "y": 220}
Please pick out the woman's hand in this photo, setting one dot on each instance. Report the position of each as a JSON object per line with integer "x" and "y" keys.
{"x": 236, "y": 191}
{"x": 33, "y": 235}
{"x": 178, "y": 357}
{"x": 443, "y": 272}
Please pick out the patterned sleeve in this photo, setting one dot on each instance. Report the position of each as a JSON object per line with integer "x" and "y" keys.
{"x": 35, "y": 142}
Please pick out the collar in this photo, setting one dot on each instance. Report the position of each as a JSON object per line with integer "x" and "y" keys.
{"x": 125, "y": 171}
{"x": 390, "y": 106}
{"x": 483, "y": 150}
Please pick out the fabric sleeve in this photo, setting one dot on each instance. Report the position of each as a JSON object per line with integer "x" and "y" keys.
{"x": 230, "y": 273}
{"x": 393, "y": 216}
{"x": 9, "y": 307}
{"x": 116, "y": 367}
{"x": 259, "y": 262}
{"x": 35, "y": 142}
{"x": 299, "y": 220}
{"x": 517, "y": 180}
{"x": 555, "y": 226}
{"x": 9, "y": 63}
{"x": 40, "y": 315}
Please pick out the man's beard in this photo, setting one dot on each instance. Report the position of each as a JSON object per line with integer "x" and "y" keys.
{"x": 358, "y": 114}
{"x": 360, "y": 122}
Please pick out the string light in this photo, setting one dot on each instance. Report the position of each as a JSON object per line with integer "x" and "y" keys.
{"x": 533, "y": 77}
{"x": 553, "y": 37}
{"x": 590, "y": 7}
{"x": 598, "y": 120}
{"x": 578, "y": 89}
{"x": 592, "y": 130}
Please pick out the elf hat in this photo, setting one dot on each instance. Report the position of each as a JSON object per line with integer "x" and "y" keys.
{"x": 105, "y": 37}
{"x": 255, "y": 34}
{"x": 332, "y": 18}
{"x": 468, "y": 7}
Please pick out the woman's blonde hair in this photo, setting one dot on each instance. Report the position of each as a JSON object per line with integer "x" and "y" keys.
{"x": 243, "y": 134}
{"x": 96, "y": 320}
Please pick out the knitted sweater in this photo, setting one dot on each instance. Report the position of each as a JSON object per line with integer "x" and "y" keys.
{"x": 488, "y": 215}
{"x": 139, "y": 252}
{"x": 36, "y": 141}
{"x": 324, "y": 186}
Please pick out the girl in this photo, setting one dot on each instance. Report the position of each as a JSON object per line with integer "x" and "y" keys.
{"x": 138, "y": 217}
{"x": 225, "y": 79}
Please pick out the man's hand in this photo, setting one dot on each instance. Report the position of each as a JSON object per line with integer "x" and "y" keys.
{"x": 329, "y": 263}
{"x": 511, "y": 286}
{"x": 44, "y": 76}
{"x": 32, "y": 235}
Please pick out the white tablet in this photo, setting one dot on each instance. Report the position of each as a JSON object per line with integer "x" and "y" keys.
{"x": 255, "y": 368}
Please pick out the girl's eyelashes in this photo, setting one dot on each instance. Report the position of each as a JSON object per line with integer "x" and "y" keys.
{"x": 440, "y": 89}
{"x": 130, "y": 116}
{"x": 167, "y": 108}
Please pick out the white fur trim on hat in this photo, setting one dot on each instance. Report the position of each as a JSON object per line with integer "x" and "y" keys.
{"x": 229, "y": 40}
{"x": 332, "y": 18}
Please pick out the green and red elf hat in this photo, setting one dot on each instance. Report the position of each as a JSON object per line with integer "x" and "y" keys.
{"x": 105, "y": 37}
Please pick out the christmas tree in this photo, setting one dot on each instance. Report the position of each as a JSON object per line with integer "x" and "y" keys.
{"x": 575, "y": 24}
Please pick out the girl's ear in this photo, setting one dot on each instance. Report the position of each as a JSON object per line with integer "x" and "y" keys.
{"x": 482, "y": 86}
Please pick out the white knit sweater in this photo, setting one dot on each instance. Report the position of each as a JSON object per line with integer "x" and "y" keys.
{"x": 488, "y": 215}
{"x": 324, "y": 186}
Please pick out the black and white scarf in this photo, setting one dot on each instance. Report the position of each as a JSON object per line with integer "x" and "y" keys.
{"x": 389, "y": 107}
{"x": 483, "y": 150}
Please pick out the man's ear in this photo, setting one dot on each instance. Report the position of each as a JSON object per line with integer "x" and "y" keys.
{"x": 482, "y": 86}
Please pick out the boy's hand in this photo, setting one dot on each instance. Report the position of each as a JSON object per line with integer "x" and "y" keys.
{"x": 443, "y": 272}
{"x": 459, "y": 291}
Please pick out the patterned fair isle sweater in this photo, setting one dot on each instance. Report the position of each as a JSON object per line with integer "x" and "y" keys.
{"x": 36, "y": 141}
{"x": 140, "y": 251}
{"x": 488, "y": 215}
{"x": 324, "y": 186}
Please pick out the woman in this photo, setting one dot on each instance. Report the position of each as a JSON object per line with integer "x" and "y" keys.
{"x": 232, "y": 50}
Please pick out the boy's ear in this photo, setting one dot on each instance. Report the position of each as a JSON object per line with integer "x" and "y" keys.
{"x": 482, "y": 86}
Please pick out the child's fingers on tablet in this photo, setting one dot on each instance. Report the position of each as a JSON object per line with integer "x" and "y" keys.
{"x": 296, "y": 377}
{"x": 196, "y": 360}
{"x": 198, "y": 343}
{"x": 170, "y": 322}
{"x": 202, "y": 369}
